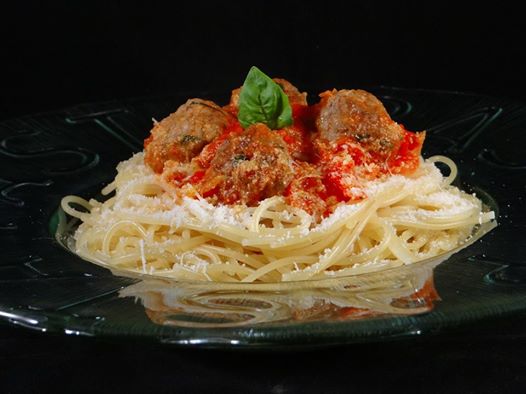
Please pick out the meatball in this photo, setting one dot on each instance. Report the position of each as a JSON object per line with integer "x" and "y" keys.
{"x": 360, "y": 115}
{"x": 248, "y": 168}
{"x": 183, "y": 134}
{"x": 292, "y": 92}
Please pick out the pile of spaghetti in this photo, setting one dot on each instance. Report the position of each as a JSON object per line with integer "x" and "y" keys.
{"x": 270, "y": 189}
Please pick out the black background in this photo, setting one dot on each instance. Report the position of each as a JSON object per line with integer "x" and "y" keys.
{"x": 58, "y": 54}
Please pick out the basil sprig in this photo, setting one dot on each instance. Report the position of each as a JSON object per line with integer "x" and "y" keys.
{"x": 263, "y": 101}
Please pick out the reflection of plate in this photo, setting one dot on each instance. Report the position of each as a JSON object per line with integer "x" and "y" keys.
{"x": 45, "y": 287}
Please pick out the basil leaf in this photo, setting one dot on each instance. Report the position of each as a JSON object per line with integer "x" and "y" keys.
{"x": 263, "y": 101}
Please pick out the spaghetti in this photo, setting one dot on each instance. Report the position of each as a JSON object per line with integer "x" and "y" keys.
{"x": 141, "y": 229}
{"x": 280, "y": 192}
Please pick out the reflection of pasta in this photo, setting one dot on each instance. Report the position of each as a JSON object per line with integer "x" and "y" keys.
{"x": 404, "y": 219}
{"x": 406, "y": 291}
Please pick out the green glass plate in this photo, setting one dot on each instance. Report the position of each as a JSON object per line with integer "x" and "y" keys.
{"x": 46, "y": 287}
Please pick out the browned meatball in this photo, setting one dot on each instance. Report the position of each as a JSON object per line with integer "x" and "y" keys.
{"x": 294, "y": 95}
{"x": 358, "y": 114}
{"x": 292, "y": 92}
{"x": 248, "y": 168}
{"x": 183, "y": 134}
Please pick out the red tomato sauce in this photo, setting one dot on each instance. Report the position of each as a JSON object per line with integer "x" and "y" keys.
{"x": 331, "y": 172}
